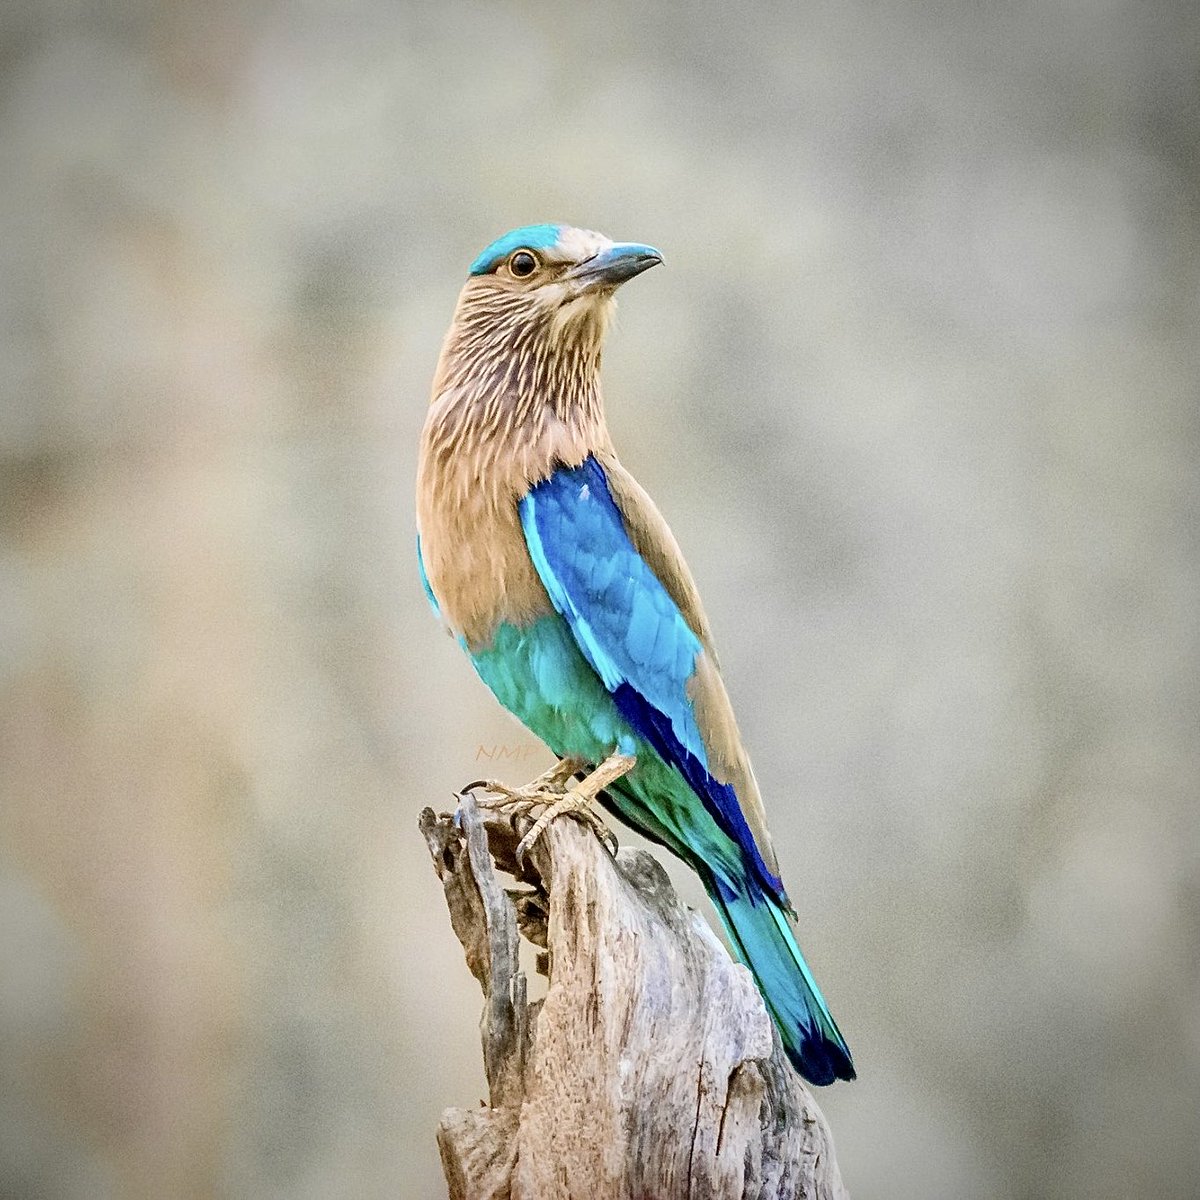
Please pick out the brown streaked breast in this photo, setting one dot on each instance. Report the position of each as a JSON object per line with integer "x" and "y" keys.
{"x": 470, "y": 480}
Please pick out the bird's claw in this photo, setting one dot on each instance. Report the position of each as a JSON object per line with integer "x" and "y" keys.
{"x": 575, "y": 804}
{"x": 549, "y": 797}
{"x": 552, "y": 782}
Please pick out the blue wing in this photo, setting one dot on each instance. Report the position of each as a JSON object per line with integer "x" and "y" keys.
{"x": 630, "y": 631}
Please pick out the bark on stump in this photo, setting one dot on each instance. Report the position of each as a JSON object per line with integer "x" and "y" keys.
{"x": 650, "y": 1070}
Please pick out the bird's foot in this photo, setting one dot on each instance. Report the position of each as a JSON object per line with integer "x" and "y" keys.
{"x": 547, "y": 788}
{"x": 549, "y": 797}
{"x": 577, "y": 801}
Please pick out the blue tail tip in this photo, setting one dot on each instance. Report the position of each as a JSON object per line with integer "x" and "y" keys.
{"x": 821, "y": 1061}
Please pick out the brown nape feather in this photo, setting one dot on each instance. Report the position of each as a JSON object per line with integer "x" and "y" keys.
{"x": 517, "y": 392}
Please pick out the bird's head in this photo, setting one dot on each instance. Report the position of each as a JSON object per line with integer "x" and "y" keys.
{"x": 547, "y": 289}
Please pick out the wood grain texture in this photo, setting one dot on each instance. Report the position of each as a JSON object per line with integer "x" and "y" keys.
{"x": 650, "y": 1069}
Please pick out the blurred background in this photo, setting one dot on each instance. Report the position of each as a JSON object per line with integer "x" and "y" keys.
{"x": 917, "y": 389}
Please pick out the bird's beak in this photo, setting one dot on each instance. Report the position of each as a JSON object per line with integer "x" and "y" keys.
{"x": 612, "y": 267}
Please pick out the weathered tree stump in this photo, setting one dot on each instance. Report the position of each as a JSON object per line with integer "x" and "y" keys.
{"x": 650, "y": 1070}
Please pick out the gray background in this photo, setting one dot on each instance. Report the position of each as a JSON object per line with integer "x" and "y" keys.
{"x": 917, "y": 390}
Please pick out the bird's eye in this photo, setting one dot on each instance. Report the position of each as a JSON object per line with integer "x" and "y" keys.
{"x": 522, "y": 263}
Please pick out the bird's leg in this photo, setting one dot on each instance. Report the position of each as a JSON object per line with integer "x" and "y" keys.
{"x": 577, "y": 802}
{"x": 545, "y": 789}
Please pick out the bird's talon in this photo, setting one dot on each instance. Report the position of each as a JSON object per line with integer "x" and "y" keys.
{"x": 575, "y": 803}
{"x": 549, "y": 797}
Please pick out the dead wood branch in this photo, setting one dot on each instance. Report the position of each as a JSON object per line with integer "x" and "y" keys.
{"x": 650, "y": 1069}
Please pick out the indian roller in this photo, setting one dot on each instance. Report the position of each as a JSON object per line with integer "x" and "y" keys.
{"x": 570, "y": 596}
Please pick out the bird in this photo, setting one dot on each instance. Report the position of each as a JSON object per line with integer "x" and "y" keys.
{"x": 563, "y": 583}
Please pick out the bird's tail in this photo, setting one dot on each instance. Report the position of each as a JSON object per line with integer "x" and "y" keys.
{"x": 762, "y": 934}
